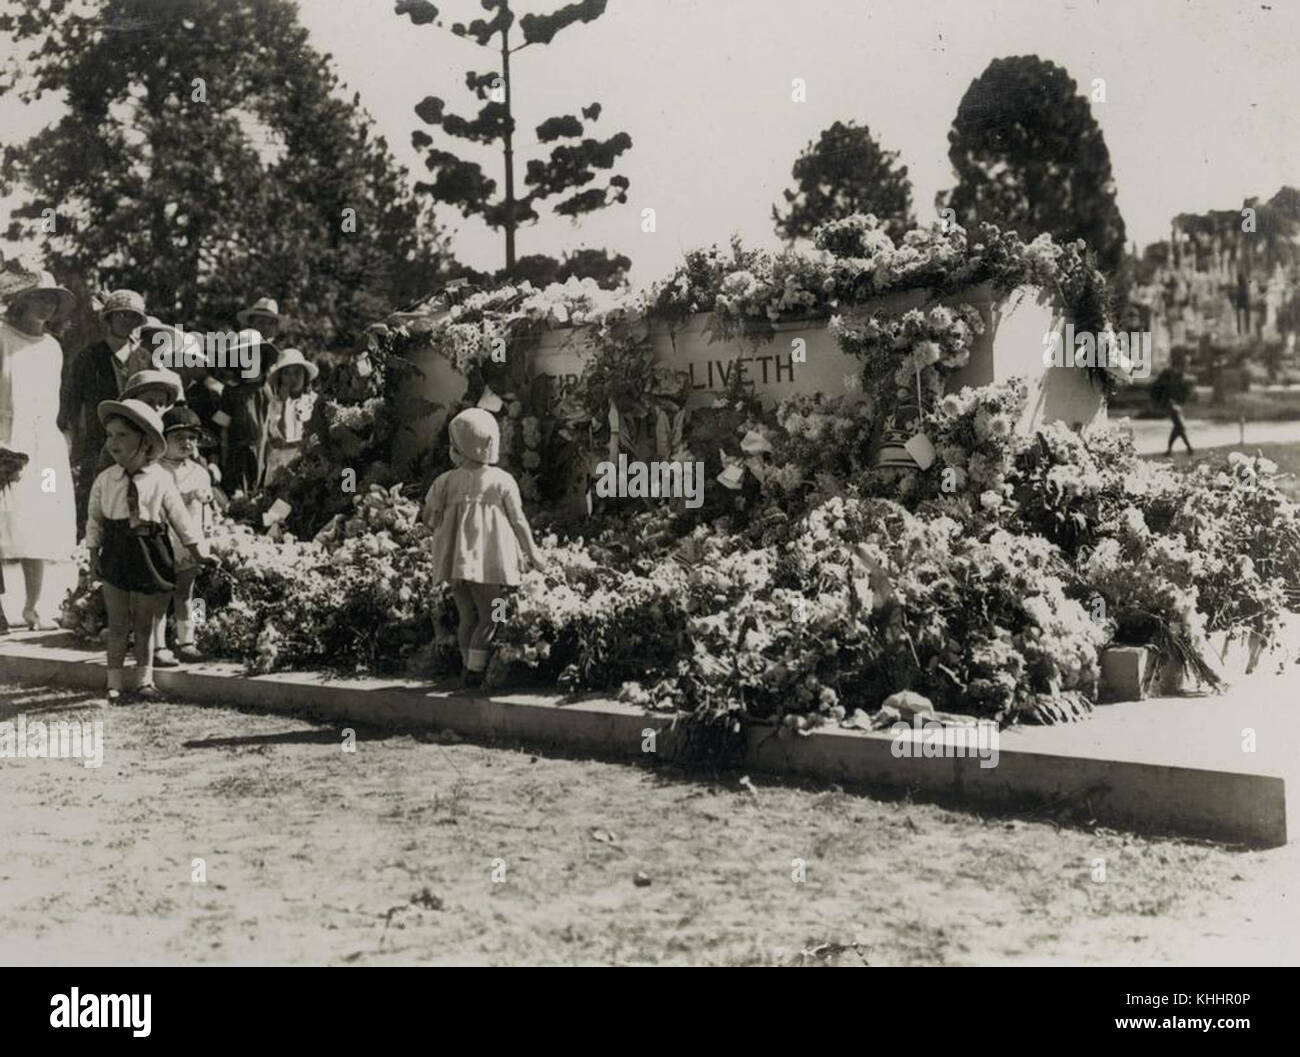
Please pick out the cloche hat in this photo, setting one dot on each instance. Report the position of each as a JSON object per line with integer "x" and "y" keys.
{"x": 182, "y": 419}
{"x": 124, "y": 301}
{"x": 475, "y": 435}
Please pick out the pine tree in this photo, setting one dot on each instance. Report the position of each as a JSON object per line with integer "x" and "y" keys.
{"x": 570, "y": 169}
{"x": 1030, "y": 156}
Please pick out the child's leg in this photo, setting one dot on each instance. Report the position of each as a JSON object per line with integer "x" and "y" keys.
{"x": 466, "y": 617}
{"x": 118, "y": 604}
{"x": 160, "y": 626}
{"x": 181, "y": 599}
{"x": 143, "y": 617}
{"x": 485, "y": 596}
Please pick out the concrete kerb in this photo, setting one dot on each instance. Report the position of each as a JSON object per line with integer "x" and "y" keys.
{"x": 1210, "y": 803}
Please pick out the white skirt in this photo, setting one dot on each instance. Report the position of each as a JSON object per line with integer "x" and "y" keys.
{"x": 38, "y": 512}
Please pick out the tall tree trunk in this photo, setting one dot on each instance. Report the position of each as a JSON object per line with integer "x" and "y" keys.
{"x": 510, "y": 155}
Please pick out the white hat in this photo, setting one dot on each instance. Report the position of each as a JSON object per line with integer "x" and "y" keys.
{"x": 263, "y": 306}
{"x": 47, "y": 284}
{"x": 294, "y": 358}
{"x": 143, "y": 416}
{"x": 162, "y": 377}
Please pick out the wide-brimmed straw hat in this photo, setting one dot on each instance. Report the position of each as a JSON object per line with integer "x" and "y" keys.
{"x": 47, "y": 284}
{"x": 263, "y": 306}
{"x": 294, "y": 358}
{"x": 141, "y": 415}
{"x": 124, "y": 301}
{"x": 168, "y": 380}
{"x": 475, "y": 435}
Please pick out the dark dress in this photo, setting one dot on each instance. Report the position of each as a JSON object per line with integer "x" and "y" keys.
{"x": 88, "y": 381}
{"x": 247, "y": 436}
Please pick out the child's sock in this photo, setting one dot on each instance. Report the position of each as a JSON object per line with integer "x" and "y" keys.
{"x": 184, "y": 632}
{"x": 477, "y": 660}
{"x": 146, "y": 676}
{"x": 115, "y": 678}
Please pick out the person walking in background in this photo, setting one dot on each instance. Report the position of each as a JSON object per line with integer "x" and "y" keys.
{"x": 38, "y": 511}
{"x": 98, "y": 373}
{"x": 1168, "y": 393}
{"x": 479, "y": 532}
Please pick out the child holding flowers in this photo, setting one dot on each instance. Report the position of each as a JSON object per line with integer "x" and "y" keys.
{"x": 479, "y": 530}
{"x": 132, "y": 504}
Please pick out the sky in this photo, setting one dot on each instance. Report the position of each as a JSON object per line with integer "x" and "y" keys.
{"x": 1202, "y": 100}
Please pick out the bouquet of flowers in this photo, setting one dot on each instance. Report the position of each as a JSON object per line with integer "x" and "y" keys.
{"x": 11, "y": 466}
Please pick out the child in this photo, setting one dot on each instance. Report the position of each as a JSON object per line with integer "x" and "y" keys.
{"x": 291, "y": 407}
{"x": 131, "y": 505}
{"x": 479, "y": 530}
{"x": 182, "y": 430}
{"x": 242, "y": 417}
{"x": 161, "y": 389}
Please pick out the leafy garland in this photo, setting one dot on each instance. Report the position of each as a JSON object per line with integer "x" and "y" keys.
{"x": 747, "y": 292}
{"x": 549, "y": 437}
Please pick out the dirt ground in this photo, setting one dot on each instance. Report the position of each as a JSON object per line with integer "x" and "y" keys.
{"x": 386, "y": 856}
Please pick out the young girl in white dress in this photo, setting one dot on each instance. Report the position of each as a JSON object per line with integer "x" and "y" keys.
{"x": 479, "y": 533}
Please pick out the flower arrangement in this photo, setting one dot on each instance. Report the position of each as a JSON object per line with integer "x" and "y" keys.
{"x": 11, "y": 466}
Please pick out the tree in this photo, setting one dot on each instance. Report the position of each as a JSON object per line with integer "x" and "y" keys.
{"x": 1029, "y": 156}
{"x": 609, "y": 271}
{"x": 843, "y": 173}
{"x": 205, "y": 158}
{"x": 571, "y": 166}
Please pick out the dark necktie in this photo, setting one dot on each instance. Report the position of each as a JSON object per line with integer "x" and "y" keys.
{"x": 132, "y": 499}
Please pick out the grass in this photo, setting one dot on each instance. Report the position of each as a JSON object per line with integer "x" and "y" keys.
{"x": 1287, "y": 457}
{"x": 1254, "y": 405}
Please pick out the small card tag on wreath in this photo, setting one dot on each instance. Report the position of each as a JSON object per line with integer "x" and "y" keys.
{"x": 221, "y": 419}
{"x": 278, "y": 511}
{"x": 920, "y": 448}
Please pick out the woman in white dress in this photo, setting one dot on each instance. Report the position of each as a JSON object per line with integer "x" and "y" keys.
{"x": 38, "y": 520}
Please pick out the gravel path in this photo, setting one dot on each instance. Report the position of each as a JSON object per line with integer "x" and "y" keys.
{"x": 386, "y": 855}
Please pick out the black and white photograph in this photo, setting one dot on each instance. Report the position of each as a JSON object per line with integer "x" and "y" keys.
{"x": 648, "y": 483}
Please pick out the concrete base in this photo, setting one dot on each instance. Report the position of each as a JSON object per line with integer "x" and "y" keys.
{"x": 1225, "y": 767}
